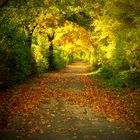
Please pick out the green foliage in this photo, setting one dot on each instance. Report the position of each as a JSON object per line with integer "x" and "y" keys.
{"x": 111, "y": 42}
{"x": 16, "y": 62}
{"x": 116, "y": 82}
{"x": 59, "y": 60}
{"x": 106, "y": 72}
{"x": 20, "y": 63}
{"x": 133, "y": 78}
{"x": 40, "y": 51}
{"x": 116, "y": 32}
{"x": 18, "y": 58}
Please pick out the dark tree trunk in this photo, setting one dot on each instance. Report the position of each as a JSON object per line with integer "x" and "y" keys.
{"x": 51, "y": 55}
{"x": 29, "y": 41}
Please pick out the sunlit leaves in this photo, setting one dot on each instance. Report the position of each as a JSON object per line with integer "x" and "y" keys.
{"x": 114, "y": 32}
{"x": 74, "y": 9}
{"x": 109, "y": 21}
{"x": 70, "y": 34}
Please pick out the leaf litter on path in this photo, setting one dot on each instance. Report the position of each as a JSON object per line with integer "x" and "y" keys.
{"x": 24, "y": 100}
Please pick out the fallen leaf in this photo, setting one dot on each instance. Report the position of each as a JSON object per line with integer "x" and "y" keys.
{"x": 49, "y": 126}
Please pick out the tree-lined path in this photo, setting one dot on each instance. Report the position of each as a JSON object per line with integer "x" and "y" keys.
{"x": 44, "y": 94}
{"x": 63, "y": 105}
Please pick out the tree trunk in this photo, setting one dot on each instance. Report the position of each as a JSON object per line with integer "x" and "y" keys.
{"x": 51, "y": 55}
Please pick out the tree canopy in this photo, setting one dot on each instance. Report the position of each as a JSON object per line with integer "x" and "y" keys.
{"x": 36, "y": 35}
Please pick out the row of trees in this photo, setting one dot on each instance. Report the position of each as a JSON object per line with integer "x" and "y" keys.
{"x": 17, "y": 22}
{"x": 30, "y": 39}
{"x": 37, "y": 36}
{"x": 117, "y": 33}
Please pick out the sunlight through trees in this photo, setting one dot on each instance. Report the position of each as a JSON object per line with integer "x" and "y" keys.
{"x": 102, "y": 33}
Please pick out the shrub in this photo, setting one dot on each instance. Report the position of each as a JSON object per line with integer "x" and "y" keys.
{"x": 133, "y": 78}
{"x": 127, "y": 78}
{"x": 106, "y": 72}
{"x": 117, "y": 81}
{"x": 59, "y": 62}
{"x": 20, "y": 63}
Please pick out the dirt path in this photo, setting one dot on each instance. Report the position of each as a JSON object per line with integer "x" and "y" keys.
{"x": 56, "y": 106}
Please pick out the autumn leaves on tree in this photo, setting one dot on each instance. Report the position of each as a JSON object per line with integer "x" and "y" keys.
{"x": 45, "y": 36}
